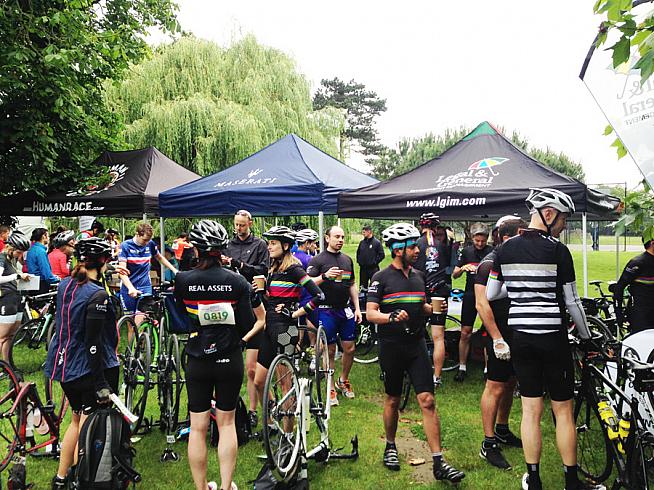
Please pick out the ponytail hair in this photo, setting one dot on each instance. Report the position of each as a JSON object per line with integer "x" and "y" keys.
{"x": 80, "y": 272}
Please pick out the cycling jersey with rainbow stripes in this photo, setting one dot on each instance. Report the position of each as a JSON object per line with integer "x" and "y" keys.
{"x": 286, "y": 287}
{"x": 638, "y": 275}
{"x": 392, "y": 290}
{"x": 138, "y": 259}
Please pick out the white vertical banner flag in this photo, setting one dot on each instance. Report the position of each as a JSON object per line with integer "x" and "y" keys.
{"x": 85, "y": 222}
{"x": 628, "y": 105}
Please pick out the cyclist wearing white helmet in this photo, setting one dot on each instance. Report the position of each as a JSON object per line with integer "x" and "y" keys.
{"x": 397, "y": 302}
{"x": 540, "y": 280}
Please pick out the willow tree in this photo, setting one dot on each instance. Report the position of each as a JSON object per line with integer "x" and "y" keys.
{"x": 208, "y": 107}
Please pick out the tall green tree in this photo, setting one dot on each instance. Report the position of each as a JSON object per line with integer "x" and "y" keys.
{"x": 411, "y": 153}
{"x": 207, "y": 107}
{"x": 55, "y": 56}
{"x": 361, "y": 107}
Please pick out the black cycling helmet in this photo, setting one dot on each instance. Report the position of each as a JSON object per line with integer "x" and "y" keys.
{"x": 92, "y": 248}
{"x": 282, "y": 233}
{"x": 96, "y": 225}
{"x": 208, "y": 236}
{"x": 298, "y": 226}
{"x": 18, "y": 241}
{"x": 63, "y": 238}
{"x": 429, "y": 219}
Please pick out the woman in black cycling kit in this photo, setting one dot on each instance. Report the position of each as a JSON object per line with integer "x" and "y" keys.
{"x": 286, "y": 279}
{"x": 10, "y": 272}
{"x": 217, "y": 302}
{"x": 82, "y": 353}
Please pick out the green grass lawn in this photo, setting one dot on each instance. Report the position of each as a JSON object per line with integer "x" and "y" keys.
{"x": 461, "y": 429}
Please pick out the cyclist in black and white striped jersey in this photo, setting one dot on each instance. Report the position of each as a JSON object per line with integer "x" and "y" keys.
{"x": 539, "y": 276}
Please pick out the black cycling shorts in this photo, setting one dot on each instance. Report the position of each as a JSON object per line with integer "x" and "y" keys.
{"x": 498, "y": 370}
{"x": 279, "y": 338}
{"x": 219, "y": 376}
{"x": 543, "y": 362}
{"x": 396, "y": 358}
{"x": 9, "y": 304}
{"x": 468, "y": 310}
{"x": 81, "y": 391}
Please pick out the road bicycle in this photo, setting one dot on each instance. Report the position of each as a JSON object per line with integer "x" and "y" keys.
{"x": 29, "y": 347}
{"x": 291, "y": 398}
{"x": 611, "y": 432}
{"x": 27, "y": 425}
{"x": 152, "y": 352}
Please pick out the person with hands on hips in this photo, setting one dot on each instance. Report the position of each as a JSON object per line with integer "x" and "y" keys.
{"x": 497, "y": 398}
{"x": 10, "y": 273}
{"x": 82, "y": 352}
{"x": 397, "y": 303}
{"x": 333, "y": 271}
{"x": 286, "y": 280}
{"x": 218, "y": 305}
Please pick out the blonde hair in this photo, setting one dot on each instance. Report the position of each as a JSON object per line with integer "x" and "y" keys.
{"x": 9, "y": 252}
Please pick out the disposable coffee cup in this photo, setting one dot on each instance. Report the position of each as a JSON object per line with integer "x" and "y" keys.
{"x": 339, "y": 278}
{"x": 260, "y": 281}
{"x": 437, "y": 304}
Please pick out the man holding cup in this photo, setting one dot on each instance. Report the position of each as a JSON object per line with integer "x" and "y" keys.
{"x": 248, "y": 255}
{"x": 333, "y": 271}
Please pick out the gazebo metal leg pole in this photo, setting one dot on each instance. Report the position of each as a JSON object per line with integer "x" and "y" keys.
{"x": 162, "y": 247}
{"x": 321, "y": 229}
{"x": 122, "y": 225}
{"x": 584, "y": 252}
{"x": 617, "y": 256}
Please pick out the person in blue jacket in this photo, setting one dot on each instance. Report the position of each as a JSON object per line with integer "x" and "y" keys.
{"x": 37, "y": 260}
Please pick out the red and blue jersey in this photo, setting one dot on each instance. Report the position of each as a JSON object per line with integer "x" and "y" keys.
{"x": 138, "y": 259}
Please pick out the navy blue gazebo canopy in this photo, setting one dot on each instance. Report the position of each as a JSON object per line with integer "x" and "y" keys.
{"x": 288, "y": 177}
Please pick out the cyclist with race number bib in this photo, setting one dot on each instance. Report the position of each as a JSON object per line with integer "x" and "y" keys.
{"x": 469, "y": 259}
{"x": 135, "y": 255}
{"x": 10, "y": 273}
{"x": 434, "y": 260}
{"x": 497, "y": 398}
{"x": 286, "y": 280}
{"x": 539, "y": 276}
{"x": 217, "y": 302}
{"x": 638, "y": 276}
{"x": 82, "y": 352}
{"x": 333, "y": 271}
{"x": 397, "y": 303}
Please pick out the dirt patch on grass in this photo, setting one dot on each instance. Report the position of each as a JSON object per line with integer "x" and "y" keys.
{"x": 410, "y": 447}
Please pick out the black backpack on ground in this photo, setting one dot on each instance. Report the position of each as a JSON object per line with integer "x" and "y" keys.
{"x": 105, "y": 453}
{"x": 243, "y": 428}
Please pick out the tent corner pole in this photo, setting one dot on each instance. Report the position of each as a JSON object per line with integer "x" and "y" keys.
{"x": 321, "y": 229}
{"x": 162, "y": 247}
{"x": 617, "y": 256}
{"x": 584, "y": 252}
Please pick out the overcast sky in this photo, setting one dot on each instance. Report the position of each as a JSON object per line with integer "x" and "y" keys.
{"x": 442, "y": 64}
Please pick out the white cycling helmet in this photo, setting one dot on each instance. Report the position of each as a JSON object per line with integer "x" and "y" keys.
{"x": 306, "y": 235}
{"x": 400, "y": 232}
{"x": 549, "y": 198}
{"x": 503, "y": 220}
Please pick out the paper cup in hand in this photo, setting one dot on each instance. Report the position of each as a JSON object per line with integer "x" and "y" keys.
{"x": 260, "y": 281}
{"x": 339, "y": 278}
{"x": 437, "y": 304}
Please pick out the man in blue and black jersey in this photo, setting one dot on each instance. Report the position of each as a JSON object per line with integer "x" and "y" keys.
{"x": 638, "y": 276}
{"x": 397, "y": 303}
{"x": 539, "y": 276}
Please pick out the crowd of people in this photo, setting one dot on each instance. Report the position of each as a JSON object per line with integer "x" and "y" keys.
{"x": 244, "y": 293}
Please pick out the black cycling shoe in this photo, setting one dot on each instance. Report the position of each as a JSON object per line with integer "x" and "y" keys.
{"x": 493, "y": 454}
{"x": 460, "y": 376}
{"x": 59, "y": 484}
{"x": 448, "y": 473}
{"x": 391, "y": 459}
{"x": 509, "y": 439}
{"x": 254, "y": 419}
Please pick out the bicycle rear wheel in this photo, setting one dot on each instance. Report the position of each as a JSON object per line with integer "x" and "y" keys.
{"x": 452, "y": 337}
{"x": 28, "y": 356}
{"x": 367, "y": 343}
{"x": 136, "y": 377}
{"x": 170, "y": 387}
{"x": 9, "y": 424}
{"x": 641, "y": 473}
{"x": 322, "y": 375}
{"x": 593, "y": 453}
{"x": 282, "y": 419}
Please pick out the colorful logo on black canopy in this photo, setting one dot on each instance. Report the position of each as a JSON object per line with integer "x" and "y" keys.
{"x": 488, "y": 163}
{"x": 104, "y": 181}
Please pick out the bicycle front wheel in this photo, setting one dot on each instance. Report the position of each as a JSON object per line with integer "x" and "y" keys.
{"x": 452, "y": 338}
{"x": 9, "y": 423}
{"x": 28, "y": 356}
{"x": 593, "y": 453}
{"x": 322, "y": 375}
{"x": 136, "y": 376}
{"x": 170, "y": 387}
{"x": 282, "y": 419}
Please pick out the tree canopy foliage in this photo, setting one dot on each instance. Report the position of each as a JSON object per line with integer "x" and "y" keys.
{"x": 412, "y": 152}
{"x": 361, "y": 108}
{"x": 207, "y": 107}
{"x": 55, "y": 56}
